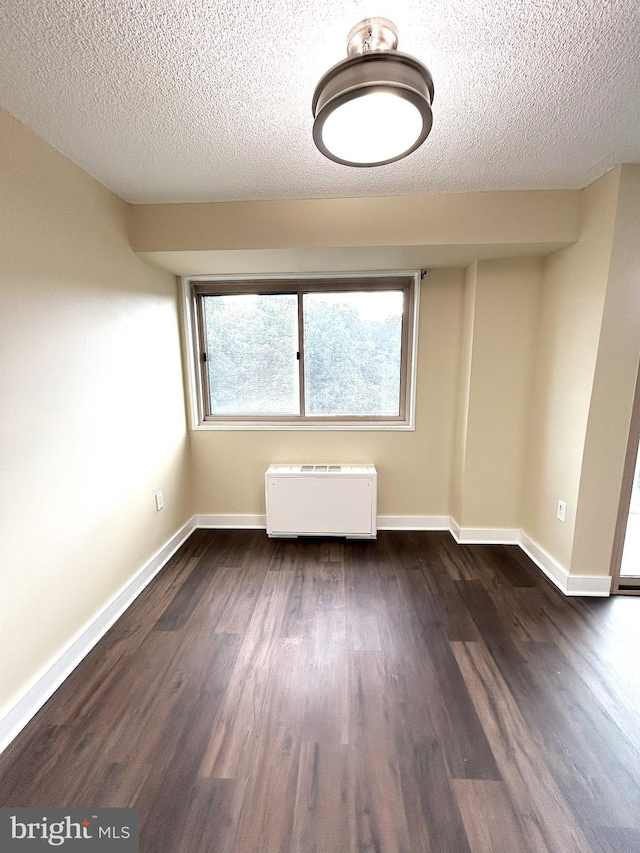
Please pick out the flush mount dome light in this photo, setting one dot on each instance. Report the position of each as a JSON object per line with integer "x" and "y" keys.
{"x": 375, "y": 106}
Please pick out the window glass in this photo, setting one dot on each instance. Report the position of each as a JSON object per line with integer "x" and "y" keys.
{"x": 352, "y": 353}
{"x": 251, "y": 345}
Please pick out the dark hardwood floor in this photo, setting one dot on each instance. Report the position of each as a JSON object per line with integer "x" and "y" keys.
{"x": 325, "y": 696}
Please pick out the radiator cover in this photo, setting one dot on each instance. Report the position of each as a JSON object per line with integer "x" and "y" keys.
{"x": 321, "y": 500}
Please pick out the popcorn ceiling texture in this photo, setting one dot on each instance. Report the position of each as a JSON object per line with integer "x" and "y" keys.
{"x": 203, "y": 100}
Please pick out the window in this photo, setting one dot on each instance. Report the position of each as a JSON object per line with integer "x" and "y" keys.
{"x": 313, "y": 353}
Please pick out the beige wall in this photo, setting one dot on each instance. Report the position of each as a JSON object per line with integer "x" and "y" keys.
{"x": 413, "y": 467}
{"x": 611, "y": 401}
{"x": 90, "y": 353}
{"x": 501, "y": 321}
{"x": 464, "y": 387}
{"x": 573, "y": 297}
{"x": 588, "y": 353}
{"x": 469, "y": 219}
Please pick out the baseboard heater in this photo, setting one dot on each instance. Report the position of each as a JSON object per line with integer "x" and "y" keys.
{"x": 321, "y": 500}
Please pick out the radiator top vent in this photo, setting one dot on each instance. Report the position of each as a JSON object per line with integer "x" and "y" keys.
{"x": 321, "y": 471}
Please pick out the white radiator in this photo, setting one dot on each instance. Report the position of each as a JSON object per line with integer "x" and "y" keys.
{"x": 321, "y": 500}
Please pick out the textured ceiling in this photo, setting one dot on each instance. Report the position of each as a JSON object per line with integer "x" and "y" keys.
{"x": 203, "y": 100}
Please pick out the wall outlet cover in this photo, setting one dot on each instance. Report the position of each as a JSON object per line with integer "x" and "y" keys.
{"x": 562, "y": 510}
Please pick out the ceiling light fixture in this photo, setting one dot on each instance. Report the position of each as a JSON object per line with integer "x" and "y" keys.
{"x": 375, "y": 106}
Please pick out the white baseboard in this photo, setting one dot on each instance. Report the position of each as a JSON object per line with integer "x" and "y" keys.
{"x": 483, "y": 535}
{"x": 384, "y": 522}
{"x": 599, "y": 585}
{"x": 232, "y": 522}
{"x": 413, "y": 522}
{"x": 45, "y": 684}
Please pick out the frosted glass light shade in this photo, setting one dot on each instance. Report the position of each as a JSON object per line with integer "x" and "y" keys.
{"x": 373, "y": 108}
{"x": 372, "y": 128}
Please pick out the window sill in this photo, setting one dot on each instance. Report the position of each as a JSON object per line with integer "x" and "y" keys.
{"x": 381, "y": 426}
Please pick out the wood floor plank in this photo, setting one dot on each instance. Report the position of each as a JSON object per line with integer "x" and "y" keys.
{"x": 426, "y": 556}
{"x": 324, "y": 809}
{"x": 463, "y": 562}
{"x": 497, "y": 635}
{"x": 332, "y": 551}
{"x": 433, "y": 816}
{"x": 226, "y": 601}
{"x": 378, "y": 803}
{"x": 601, "y": 660}
{"x": 38, "y": 770}
{"x": 68, "y": 758}
{"x": 495, "y": 630}
{"x": 584, "y": 746}
{"x": 288, "y": 555}
{"x": 446, "y": 695}
{"x": 326, "y": 715}
{"x": 454, "y": 614}
{"x": 491, "y": 821}
{"x": 239, "y": 606}
{"x": 316, "y": 606}
{"x": 504, "y": 568}
{"x": 141, "y": 700}
{"x": 301, "y": 606}
{"x": 265, "y": 822}
{"x": 213, "y": 817}
{"x": 329, "y": 626}
{"x": 236, "y": 732}
{"x": 177, "y": 731}
{"x": 238, "y": 548}
{"x": 616, "y": 840}
{"x": 548, "y": 821}
{"x": 408, "y": 550}
{"x": 205, "y": 662}
{"x": 362, "y": 596}
{"x": 524, "y": 611}
{"x": 114, "y": 785}
{"x": 380, "y": 821}
{"x": 368, "y": 697}
{"x": 396, "y": 681}
{"x": 188, "y": 596}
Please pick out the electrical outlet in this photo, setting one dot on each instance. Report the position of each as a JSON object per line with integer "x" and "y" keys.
{"x": 159, "y": 500}
{"x": 562, "y": 510}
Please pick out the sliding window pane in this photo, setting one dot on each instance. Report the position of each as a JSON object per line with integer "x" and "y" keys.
{"x": 353, "y": 353}
{"x": 252, "y": 343}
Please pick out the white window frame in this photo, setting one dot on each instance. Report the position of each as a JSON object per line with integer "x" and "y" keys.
{"x": 192, "y": 352}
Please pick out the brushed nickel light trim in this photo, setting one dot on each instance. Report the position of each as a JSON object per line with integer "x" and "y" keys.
{"x": 374, "y": 67}
{"x": 372, "y": 34}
